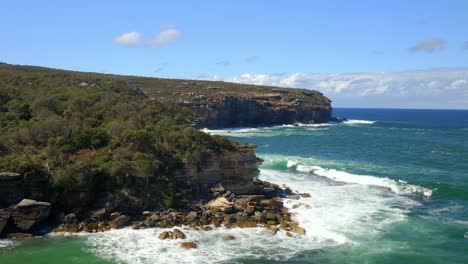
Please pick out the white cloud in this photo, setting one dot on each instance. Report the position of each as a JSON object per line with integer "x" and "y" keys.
{"x": 458, "y": 84}
{"x": 134, "y": 39}
{"x": 429, "y": 88}
{"x": 128, "y": 39}
{"x": 164, "y": 37}
{"x": 429, "y": 46}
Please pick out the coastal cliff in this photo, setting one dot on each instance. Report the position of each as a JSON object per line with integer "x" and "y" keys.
{"x": 87, "y": 147}
{"x": 217, "y": 104}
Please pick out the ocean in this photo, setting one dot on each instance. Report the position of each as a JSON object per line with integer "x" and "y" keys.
{"x": 386, "y": 186}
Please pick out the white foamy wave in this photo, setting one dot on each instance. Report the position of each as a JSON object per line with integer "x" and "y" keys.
{"x": 357, "y": 121}
{"x": 6, "y": 243}
{"x": 341, "y": 213}
{"x": 334, "y": 215}
{"x": 227, "y": 130}
{"x": 144, "y": 246}
{"x": 241, "y": 130}
{"x": 396, "y": 186}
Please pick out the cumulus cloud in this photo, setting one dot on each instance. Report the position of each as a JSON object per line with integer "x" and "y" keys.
{"x": 424, "y": 88}
{"x": 128, "y": 39}
{"x": 169, "y": 34}
{"x": 429, "y": 46}
{"x": 224, "y": 63}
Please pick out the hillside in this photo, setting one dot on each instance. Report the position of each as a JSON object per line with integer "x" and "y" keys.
{"x": 216, "y": 103}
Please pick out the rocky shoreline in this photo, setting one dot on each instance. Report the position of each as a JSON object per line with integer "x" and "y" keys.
{"x": 223, "y": 209}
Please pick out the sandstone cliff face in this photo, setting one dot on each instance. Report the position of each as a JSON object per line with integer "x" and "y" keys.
{"x": 233, "y": 170}
{"x": 244, "y": 112}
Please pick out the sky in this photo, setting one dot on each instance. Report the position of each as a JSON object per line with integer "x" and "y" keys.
{"x": 389, "y": 54}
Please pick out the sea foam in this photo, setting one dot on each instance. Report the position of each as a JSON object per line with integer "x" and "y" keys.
{"x": 357, "y": 121}
{"x": 396, "y": 186}
{"x": 336, "y": 214}
{"x": 240, "y": 130}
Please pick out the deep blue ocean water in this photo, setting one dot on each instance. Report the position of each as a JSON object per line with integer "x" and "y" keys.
{"x": 387, "y": 186}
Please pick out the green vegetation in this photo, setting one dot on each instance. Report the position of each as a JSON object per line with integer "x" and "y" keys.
{"x": 97, "y": 133}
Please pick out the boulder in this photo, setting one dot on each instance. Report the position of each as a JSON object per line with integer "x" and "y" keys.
{"x": 70, "y": 219}
{"x": 69, "y": 228}
{"x": 272, "y": 228}
{"x": 176, "y": 234}
{"x": 188, "y": 245}
{"x": 30, "y": 213}
{"x": 298, "y": 230}
{"x": 98, "y": 214}
{"x": 229, "y": 237}
{"x": 216, "y": 222}
{"x": 246, "y": 224}
{"x": 305, "y": 195}
{"x": 294, "y": 197}
{"x": 220, "y": 203}
{"x": 206, "y": 228}
{"x": 164, "y": 235}
{"x": 258, "y": 216}
{"x": 119, "y": 222}
{"x": 271, "y": 202}
{"x": 242, "y": 216}
{"x": 190, "y": 217}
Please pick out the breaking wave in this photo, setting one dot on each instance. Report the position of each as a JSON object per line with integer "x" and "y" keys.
{"x": 396, "y": 186}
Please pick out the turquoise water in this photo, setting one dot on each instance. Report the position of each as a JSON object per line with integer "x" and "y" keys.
{"x": 388, "y": 186}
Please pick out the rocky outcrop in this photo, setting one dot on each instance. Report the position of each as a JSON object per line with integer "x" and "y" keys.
{"x": 24, "y": 217}
{"x": 225, "y": 208}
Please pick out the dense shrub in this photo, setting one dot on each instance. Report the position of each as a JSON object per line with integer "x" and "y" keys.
{"x": 99, "y": 137}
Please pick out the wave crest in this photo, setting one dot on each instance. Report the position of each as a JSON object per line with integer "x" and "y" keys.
{"x": 357, "y": 121}
{"x": 396, "y": 186}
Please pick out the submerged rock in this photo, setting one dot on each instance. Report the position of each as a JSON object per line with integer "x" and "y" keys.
{"x": 188, "y": 245}
{"x": 229, "y": 237}
{"x": 176, "y": 234}
{"x": 164, "y": 235}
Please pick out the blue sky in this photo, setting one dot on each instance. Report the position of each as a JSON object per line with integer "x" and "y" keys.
{"x": 338, "y": 47}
